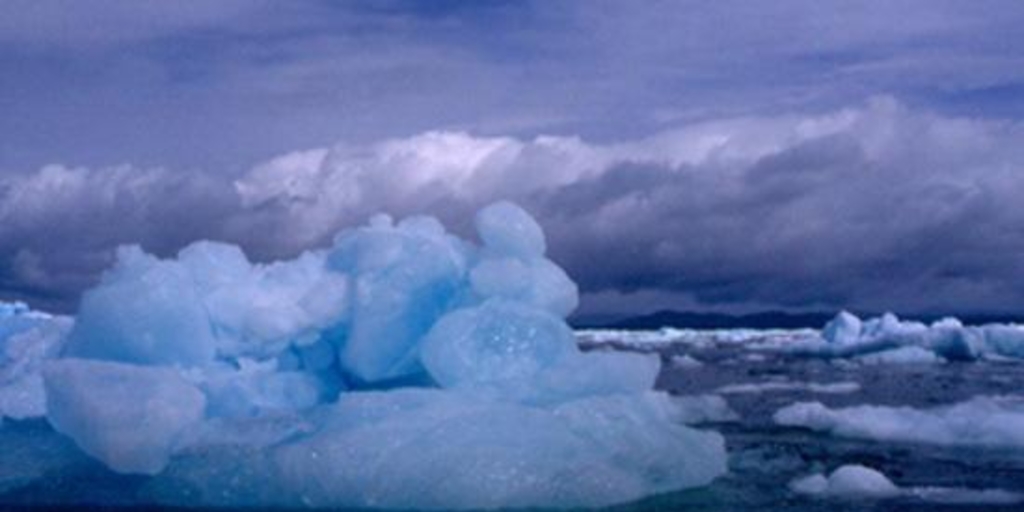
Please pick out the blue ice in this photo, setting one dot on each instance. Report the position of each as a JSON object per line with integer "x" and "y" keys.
{"x": 403, "y": 367}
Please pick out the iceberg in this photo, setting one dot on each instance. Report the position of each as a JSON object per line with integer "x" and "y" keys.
{"x": 402, "y": 367}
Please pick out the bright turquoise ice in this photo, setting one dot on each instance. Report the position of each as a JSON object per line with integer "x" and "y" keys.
{"x": 403, "y": 367}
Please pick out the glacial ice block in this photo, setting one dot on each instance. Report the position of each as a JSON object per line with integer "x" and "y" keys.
{"x": 505, "y": 228}
{"x": 499, "y": 344}
{"x": 27, "y": 339}
{"x": 129, "y": 417}
{"x": 844, "y": 329}
{"x": 849, "y": 481}
{"x": 405, "y": 277}
{"x": 144, "y": 311}
{"x": 431, "y": 449}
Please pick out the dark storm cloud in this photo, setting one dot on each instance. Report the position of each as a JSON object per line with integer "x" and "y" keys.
{"x": 60, "y": 224}
{"x": 868, "y": 207}
{"x": 712, "y": 154}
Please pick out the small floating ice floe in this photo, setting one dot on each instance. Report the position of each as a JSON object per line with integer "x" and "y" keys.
{"x": 854, "y": 481}
{"x": 829, "y": 388}
{"x": 981, "y": 421}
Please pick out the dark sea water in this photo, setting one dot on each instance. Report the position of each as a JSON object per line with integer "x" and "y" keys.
{"x": 42, "y": 471}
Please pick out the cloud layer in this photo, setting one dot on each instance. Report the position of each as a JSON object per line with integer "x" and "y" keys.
{"x": 874, "y": 206}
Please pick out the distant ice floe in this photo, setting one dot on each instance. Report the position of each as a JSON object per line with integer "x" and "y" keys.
{"x": 981, "y": 421}
{"x": 880, "y": 340}
{"x": 786, "y": 385}
{"x": 854, "y": 481}
{"x": 697, "y": 409}
{"x": 401, "y": 368}
{"x": 698, "y": 338}
{"x": 685, "y": 361}
{"x": 887, "y": 339}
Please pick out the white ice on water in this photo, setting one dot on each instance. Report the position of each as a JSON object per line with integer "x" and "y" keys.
{"x": 887, "y": 339}
{"x": 401, "y": 368}
{"x": 981, "y": 421}
{"x": 854, "y": 481}
{"x": 828, "y": 388}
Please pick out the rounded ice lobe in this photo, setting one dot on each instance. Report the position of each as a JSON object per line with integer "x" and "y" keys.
{"x": 499, "y": 343}
{"x": 144, "y": 311}
{"x": 849, "y": 481}
{"x": 129, "y": 417}
{"x": 404, "y": 279}
{"x": 538, "y": 282}
{"x": 506, "y": 228}
{"x": 857, "y": 480}
{"x": 844, "y": 329}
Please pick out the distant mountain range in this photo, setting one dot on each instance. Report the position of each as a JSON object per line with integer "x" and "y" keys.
{"x": 761, "y": 320}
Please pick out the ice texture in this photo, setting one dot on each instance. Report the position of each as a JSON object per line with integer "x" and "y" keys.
{"x": 956, "y": 424}
{"x": 129, "y": 417}
{"x": 887, "y": 339}
{"x": 854, "y": 481}
{"x": 851, "y": 480}
{"x": 402, "y": 367}
{"x": 27, "y": 339}
{"x": 786, "y": 385}
{"x": 431, "y": 449}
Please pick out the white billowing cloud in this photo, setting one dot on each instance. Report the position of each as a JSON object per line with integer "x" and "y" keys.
{"x": 316, "y": 192}
{"x": 875, "y": 206}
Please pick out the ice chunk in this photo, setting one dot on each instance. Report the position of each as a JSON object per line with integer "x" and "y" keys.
{"x": 956, "y": 424}
{"x": 946, "y": 339}
{"x": 27, "y": 339}
{"x": 844, "y": 329}
{"x": 1004, "y": 340}
{"x": 144, "y": 311}
{"x": 499, "y": 344}
{"x": 405, "y": 279}
{"x": 258, "y": 310}
{"x": 257, "y": 388}
{"x": 130, "y": 417}
{"x": 526, "y": 354}
{"x": 538, "y": 282}
{"x": 595, "y": 373}
{"x": 431, "y": 449}
{"x": 849, "y": 481}
{"x": 856, "y": 481}
{"x": 505, "y": 228}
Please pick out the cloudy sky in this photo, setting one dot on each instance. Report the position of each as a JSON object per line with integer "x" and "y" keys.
{"x": 721, "y": 156}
